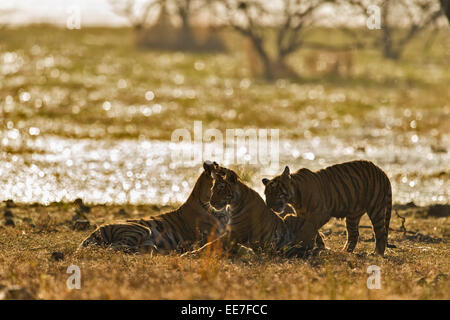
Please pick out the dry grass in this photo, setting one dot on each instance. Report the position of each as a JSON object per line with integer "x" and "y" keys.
{"x": 417, "y": 269}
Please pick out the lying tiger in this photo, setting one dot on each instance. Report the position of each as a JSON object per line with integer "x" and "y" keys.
{"x": 178, "y": 230}
{"x": 346, "y": 190}
{"x": 251, "y": 222}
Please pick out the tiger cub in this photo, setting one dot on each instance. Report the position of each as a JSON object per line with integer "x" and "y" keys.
{"x": 194, "y": 221}
{"x": 346, "y": 190}
{"x": 251, "y": 222}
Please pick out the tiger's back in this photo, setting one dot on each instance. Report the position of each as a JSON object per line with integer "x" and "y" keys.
{"x": 354, "y": 188}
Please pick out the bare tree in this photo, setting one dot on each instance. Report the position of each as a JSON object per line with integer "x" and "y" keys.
{"x": 137, "y": 13}
{"x": 401, "y": 21}
{"x": 185, "y": 10}
{"x": 163, "y": 24}
{"x": 257, "y": 20}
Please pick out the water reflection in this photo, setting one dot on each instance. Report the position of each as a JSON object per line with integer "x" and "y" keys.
{"x": 45, "y": 169}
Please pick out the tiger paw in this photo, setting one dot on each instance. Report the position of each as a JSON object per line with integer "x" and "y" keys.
{"x": 349, "y": 247}
{"x": 295, "y": 252}
{"x": 191, "y": 254}
{"x": 316, "y": 251}
{"x": 245, "y": 253}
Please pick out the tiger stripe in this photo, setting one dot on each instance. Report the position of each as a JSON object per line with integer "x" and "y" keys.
{"x": 179, "y": 230}
{"x": 251, "y": 222}
{"x": 346, "y": 190}
{"x": 126, "y": 236}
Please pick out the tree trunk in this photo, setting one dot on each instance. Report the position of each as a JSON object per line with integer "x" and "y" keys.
{"x": 264, "y": 58}
{"x": 388, "y": 48}
{"x": 270, "y": 69}
{"x": 282, "y": 69}
{"x": 445, "y": 5}
{"x": 186, "y": 37}
{"x": 390, "y": 53}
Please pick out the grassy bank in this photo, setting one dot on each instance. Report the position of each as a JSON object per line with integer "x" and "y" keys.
{"x": 95, "y": 83}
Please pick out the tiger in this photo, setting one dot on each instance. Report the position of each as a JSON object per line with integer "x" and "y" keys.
{"x": 194, "y": 221}
{"x": 251, "y": 222}
{"x": 346, "y": 190}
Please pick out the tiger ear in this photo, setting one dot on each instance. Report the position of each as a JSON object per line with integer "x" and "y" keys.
{"x": 231, "y": 176}
{"x": 208, "y": 166}
{"x": 265, "y": 181}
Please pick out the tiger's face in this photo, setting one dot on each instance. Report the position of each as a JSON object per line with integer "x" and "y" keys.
{"x": 223, "y": 191}
{"x": 278, "y": 191}
{"x": 209, "y": 167}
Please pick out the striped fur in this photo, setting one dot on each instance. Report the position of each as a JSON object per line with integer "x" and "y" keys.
{"x": 346, "y": 190}
{"x": 252, "y": 223}
{"x": 178, "y": 230}
{"x": 126, "y": 236}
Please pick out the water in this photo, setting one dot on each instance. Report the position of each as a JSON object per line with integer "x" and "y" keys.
{"x": 50, "y": 168}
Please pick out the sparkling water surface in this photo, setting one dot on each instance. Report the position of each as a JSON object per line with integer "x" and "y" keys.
{"x": 51, "y": 168}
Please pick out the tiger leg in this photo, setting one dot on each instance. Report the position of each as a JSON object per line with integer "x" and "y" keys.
{"x": 388, "y": 216}
{"x": 142, "y": 248}
{"x": 124, "y": 246}
{"x": 351, "y": 224}
{"x": 121, "y": 245}
{"x": 133, "y": 243}
{"x": 378, "y": 219}
{"x": 320, "y": 244}
{"x": 308, "y": 235}
{"x": 303, "y": 249}
{"x": 242, "y": 251}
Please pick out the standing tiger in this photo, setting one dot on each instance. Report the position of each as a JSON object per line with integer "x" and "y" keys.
{"x": 346, "y": 190}
{"x": 177, "y": 230}
{"x": 251, "y": 222}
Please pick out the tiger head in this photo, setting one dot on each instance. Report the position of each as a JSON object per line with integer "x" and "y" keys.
{"x": 207, "y": 179}
{"x": 224, "y": 190}
{"x": 210, "y": 169}
{"x": 278, "y": 191}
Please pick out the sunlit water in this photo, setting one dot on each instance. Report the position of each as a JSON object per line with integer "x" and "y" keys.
{"x": 46, "y": 169}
